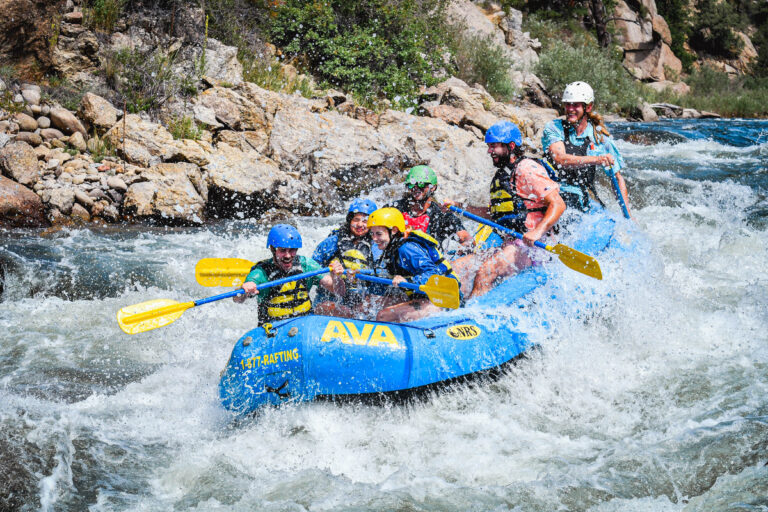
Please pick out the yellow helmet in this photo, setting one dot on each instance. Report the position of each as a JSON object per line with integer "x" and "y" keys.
{"x": 387, "y": 217}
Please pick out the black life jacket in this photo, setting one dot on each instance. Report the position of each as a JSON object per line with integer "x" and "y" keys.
{"x": 582, "y": 177}
{"x": 353, "y": 252}
{"x": 286, "y": 301}
{"x": 507, "y": 206}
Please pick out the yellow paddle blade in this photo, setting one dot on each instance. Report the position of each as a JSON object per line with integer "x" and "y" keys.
{"x": 222, "y": 271}
{"x": 442, "y": 291}
{"x": 577, "y": 261}
{"x": 150, "y": 315}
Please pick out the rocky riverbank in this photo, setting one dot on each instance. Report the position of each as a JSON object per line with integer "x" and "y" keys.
{"x": 259, "y": 153}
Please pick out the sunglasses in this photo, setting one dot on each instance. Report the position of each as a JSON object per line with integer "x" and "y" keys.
{"x": 417, "y": 185}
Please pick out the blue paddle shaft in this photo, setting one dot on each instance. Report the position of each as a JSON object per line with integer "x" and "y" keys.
{"x": 616, "y": 187}
{"x": 493, "y": 225}
{"x": 381, "y": 280}
{"x": 263, "y": 286}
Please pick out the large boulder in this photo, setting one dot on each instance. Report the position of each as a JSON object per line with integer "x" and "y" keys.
{"x": 654, "y": 64}
{"x": 19, "y": 206}
{"x": 140, "y": 141}
{"x": 66, "y": 121}
{"x": 97, "y": 112}
{"x": 516, "y": 45}
{"x": 170, "y": 193}
{"x": 19, "y": 161}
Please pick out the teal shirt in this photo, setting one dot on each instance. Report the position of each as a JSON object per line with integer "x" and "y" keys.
{"x": 554, "y": 132}
{"x": 258, "y": 276}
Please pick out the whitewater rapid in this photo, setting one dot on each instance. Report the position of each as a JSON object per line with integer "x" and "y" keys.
{"x": 651, "y": 398}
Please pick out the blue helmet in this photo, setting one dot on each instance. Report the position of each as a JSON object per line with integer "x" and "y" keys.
{"x": 284, "y": 237}
{"x": 360, "y": 205}
{"x": 504, "y": 131}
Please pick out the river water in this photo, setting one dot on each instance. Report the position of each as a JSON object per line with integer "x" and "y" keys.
{"x": 654, "y": 400}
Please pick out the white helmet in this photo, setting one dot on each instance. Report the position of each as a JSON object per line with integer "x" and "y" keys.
{"x": 578, "y": 92}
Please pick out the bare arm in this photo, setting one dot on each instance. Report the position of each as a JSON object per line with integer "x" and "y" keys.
{"x": 562, "y": 159}
{"x": 555, "y": 208}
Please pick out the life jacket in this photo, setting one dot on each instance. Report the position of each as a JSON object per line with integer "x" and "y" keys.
{"x": 286, "y": 301}
{"x": 507, "y": 206}
{"x": 354, "y": 253}
{"x": 576, "y": 182}
{"x": 424, "y": 240}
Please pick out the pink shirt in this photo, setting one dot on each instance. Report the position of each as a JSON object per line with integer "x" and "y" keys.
{"x": 533, "y": 184}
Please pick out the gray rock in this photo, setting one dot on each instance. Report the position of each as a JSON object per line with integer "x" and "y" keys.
{"x": 97, "y": 112}
{"x": 78, "y": 212}
{"x": 19, "y": 206}
{"x": 26, "y": 123}
{"x": 2, "y": 85}
{"x": 116, "y": 183}
{"x": 31, "y": 138}
{"x": 4, "y": 139}
{"x": 31, "y": 96}
{"x": 43, "y": 122}
{"x": 18, "y": 98}
{"x": 77, "y": 141}
{"x": 66, "y": 121}
{"x": 51, "y": 134}
{"x": 45, "y": 110}
{"x": 83, "y": 198}
{"x": 169, "y": 196}
{"x": 63, "y": 199}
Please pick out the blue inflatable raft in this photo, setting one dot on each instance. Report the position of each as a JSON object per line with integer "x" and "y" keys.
{"x": 315, "y": 357}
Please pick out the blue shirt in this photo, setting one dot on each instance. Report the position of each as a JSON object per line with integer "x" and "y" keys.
{"x": 554, "y": 132}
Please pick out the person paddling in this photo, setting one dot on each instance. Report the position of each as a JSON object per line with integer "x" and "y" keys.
{"x": 350, "y": 245}
{"x": 523, "y": 198}
{"x": 579, "y": 145}
{"x": 422, "y": 212}
{"x": 291, "y": 299}
{"x": 411, "y": 256}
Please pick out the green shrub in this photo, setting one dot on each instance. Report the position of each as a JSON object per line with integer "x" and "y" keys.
{"x": 479, "y": 60}
{"x": 374, "y": 48}
{"x": 145, "y": 80}
{"x": 268, "y": 74}
{"x": 184, "y": 128}
{"x": 715, "y": 91}
{"x": 712, "y": 29}
{"x": 676, "y": 14}
{"x": 614, "y": 88}
{"x": 103, "y": 14}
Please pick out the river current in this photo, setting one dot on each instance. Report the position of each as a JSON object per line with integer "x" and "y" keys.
{"x": 656, "y": 399}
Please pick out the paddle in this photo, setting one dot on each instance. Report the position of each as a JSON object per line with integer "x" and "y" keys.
{"x": 161, "y": 312}
{"x": 440, "y": 290}
{"x": 222, "y": 271}
{"x": 619, "y": 195}
{"x": 614, "y": 181}
{"x": 571, "y": 258}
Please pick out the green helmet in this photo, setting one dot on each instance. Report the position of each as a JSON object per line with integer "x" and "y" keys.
{"x": 421, "y": 175}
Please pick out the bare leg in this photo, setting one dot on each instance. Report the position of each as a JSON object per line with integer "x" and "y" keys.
{"x": 331, "y": 308}
{"x": 509, "y": 260}
{"x": 407, "y": 311}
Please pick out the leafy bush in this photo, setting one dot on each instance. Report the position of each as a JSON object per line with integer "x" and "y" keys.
{"x": 676, "y": 14}
{"x": 479, "y": 60}
{"x": 374, "y": 48}
{"x": 614, "y": 88}
{"x": 712, "y": 30}
{"x": 268, "y": 74}
{"x": 103, "y": 14}
{"x": 184, "y": 128}
{"x": 715, "y": 91}
{"x": 144, "y": 80}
